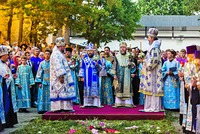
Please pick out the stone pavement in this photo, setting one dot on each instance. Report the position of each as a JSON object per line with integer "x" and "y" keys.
{"x": 176, "y": 123}
{"x": 23, "y": 119}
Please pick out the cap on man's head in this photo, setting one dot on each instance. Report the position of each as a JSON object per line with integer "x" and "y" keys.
{"x": 90, "y": 46}
{"x": 191, "y": 49}
{"x": 3, "y": 50}
{"x": 60, "y": 41}
{"x": 153, "y": 32}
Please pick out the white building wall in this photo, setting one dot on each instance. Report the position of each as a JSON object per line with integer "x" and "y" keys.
{"x": 167, "y": 43}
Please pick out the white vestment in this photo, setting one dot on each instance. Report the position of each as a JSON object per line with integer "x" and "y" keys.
{"x": 61, "y": 94}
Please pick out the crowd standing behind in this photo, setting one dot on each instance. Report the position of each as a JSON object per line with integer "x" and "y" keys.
{"x": 57, "y": 78}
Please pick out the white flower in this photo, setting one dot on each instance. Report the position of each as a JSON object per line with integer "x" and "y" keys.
{"x": 158, "y": 128}
{"x": 128, "y": 128}
{"x": 158, "y": 131}
{"x": 39, "y": 132}
{"x": 94, "y": 131}
{"x": 134, "y": 126}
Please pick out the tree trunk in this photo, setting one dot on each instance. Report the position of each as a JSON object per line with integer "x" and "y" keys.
{"x": 66, "y": 35}
{"x": 21, "y": 24}
{"x": 10, "y": 25}
{"x": 33, "y": 34}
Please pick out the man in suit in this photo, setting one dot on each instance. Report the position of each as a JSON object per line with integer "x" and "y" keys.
{"x": 30, "y": 63}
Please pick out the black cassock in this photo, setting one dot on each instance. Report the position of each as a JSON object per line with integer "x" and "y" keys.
{"x": 136, "y": 84}
{"x": 1, "y": 126}
{"x": 194, "y": 101}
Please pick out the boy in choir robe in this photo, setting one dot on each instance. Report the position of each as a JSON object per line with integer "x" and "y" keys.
{"x": 141, "y": 57}
{"x": 171, "y": 88}
{"x": 43, "y": 80}
{"x": 8, "y": 90}
{"x": 105, "y": 80}
{"x": 24, "y": 82}
{"x": 73, "y": 64}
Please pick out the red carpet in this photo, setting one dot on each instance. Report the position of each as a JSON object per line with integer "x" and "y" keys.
{"x": 107, "y": 112}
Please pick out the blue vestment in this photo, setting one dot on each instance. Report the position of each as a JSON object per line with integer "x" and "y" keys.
{"x": 43, "y": 77}
{"x": 106, "y": 83}
{"x": 90, "y": 71}
{"x": 9, "y": 84}
{"x": 61, "y": 94}
{"x": 24, "y": 79}
{"x": 2, "y": 115}
{"x": 141, "y": 94}
{"x": 171, "y": 87}
{"x": 74, "y": 72}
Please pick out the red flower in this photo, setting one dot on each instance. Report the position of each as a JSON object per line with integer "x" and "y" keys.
{"x": 91, "y": 127}
{"x": 71, "y": 131}
{"x": 182, "y": 63}
{"x": 110, "y": 130}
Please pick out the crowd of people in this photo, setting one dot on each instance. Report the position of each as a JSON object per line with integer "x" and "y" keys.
{"x": 57, "y": 79}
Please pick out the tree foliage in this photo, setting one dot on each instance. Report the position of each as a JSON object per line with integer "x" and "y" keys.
{"x": 96, "y": 20}
{"x": 193, "y": 6}
{"x": 108, "y": 21}
{"x": 164, "y": 7}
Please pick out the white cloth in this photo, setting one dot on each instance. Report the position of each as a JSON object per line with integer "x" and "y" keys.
{"x": 96, "y": 102}
{"x": 5, "y": 70}
{"x": 152, "y": 103}
{"x": 127, "y": 102}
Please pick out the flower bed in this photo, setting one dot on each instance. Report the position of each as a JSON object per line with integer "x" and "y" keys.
{"x": 98, "y": 127}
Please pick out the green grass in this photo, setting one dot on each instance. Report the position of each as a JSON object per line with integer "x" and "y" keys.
{"x": 38, "y": 126}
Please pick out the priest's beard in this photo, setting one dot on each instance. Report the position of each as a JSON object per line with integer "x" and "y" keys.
{"x": 62, "y": 51}
{"x": 123, "y": 52}
{"x": 90, "y": 55}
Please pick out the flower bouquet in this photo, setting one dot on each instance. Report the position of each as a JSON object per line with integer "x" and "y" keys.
{"x": 141, "y": 55}
{"x": 130, "y": 57}
{"x": 95, "y": 58}
{"x": 103, "y": 71}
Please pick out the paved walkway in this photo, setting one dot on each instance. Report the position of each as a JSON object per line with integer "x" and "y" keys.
{"x": 23, "y": 119}
{"x": 176, "y": 123}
